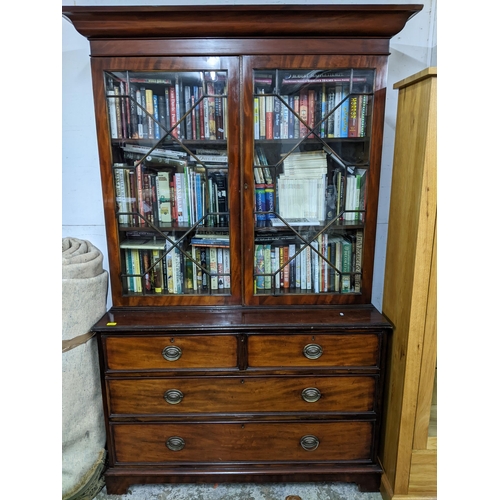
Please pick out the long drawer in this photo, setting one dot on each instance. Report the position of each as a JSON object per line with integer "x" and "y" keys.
{"x": 241, "y": 442}
{"x": 178, "y": 395}
{"x": 175, "y": 352}
{"x": 313, "y": 350}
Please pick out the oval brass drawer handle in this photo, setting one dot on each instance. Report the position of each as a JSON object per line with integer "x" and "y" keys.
{"x": 309, "y": 442}
{"x": 311, "y": 394}
{"x": 312, "y": 351}
{"x": 172, "y": 353}
{"x": 173, "y": 396}
{"x": 175, "y": 443}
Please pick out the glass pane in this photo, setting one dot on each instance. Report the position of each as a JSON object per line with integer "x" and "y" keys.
{"x": 169, "y": 146}
{"x": 311, "y": 162}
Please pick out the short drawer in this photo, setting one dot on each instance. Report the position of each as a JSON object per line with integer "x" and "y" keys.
{"x": 242, "y": 442}
{"x": 171, "y": 396}
{"x": 175, "y": 352}
{"x": 313, "y": 350}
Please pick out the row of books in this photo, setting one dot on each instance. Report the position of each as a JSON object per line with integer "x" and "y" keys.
{"x": 328, "y": 264}
{"x": 146, "y": 196}
{"x": 148, "y": 108}
{"x": 161, "y": 267}
{"x": 331, "y": 112}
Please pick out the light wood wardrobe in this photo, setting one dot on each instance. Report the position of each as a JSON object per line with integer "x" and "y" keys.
{"x": 409, "y": 438}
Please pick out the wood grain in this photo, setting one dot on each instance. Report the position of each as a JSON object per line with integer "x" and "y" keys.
{"x": 143, "y": 353}
{"x": 254, "y": 395}
{"x": 242, "y": 442}
{"x": 409, "y": 286}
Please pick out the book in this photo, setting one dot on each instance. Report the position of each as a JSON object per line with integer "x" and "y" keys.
{"x": 136, "y": 270}
{"x": 143, "y": 243}
{"x": 157, "y": 270}
{"x": 149, "y": 113}
{"x": 260, "y": 205}
{"x": 118, "y": 110}
{"x": 303, "y": 112}
{"x": 212, "y": 135}
{"x": 220, "y": 180}
{"x": 212, "y": 255}
{"x": 345, "y": 286}
{"x": 269, "y": 117}
{"x": 121, "y": 192}
{"x": 358, "y": 260}
{"x": 259, "y": 268}
{"x": 295, "y": 221}
{"x": 111, "y": 100}
{"x": 145, "y": 263}
{"x": 173, "y": 112}
{"x": 156, "y": 115}
{"x": 140, "y": 114}
{"x": 226, "y": 267}
{"x": 163, "y": 189}
{"x": 352, "y": 125}
{"x": 267, "y": 266}
{"x": 132, "y": 92}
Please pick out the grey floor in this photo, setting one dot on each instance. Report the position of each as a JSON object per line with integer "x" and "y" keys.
{"x": 306, "y": 491}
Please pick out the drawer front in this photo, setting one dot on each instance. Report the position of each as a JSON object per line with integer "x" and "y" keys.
{"x": 167, "y": 353}
{"x": 313, "y": 350}
{"x": 157, "y": 396}
{"x": 242, "y": 442}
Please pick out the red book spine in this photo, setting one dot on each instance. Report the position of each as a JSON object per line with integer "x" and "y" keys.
{"x": 303, "y": 112}
{"x": 173, "y": 202}
{"x": 311, "y": 108}
{"x": 140, "y": 194}
{"x": 286, "y": 270}
{"x": 269, "y": 117}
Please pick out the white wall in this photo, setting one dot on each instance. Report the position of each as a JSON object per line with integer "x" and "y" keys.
{"x": 412, "y": 50}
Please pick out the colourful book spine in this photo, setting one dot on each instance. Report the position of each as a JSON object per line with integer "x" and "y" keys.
{"x": 157, "y": 271}
{"x": 220, "y": 268}
{"x": 260, "y": 205}
{"x": 352, "y": 126}
{"x": 269, "y": 204}
{"x": 259, "y": 267}
{"x": 346, "y": 267}
{"x": 150, "y": 113}
{"x": 156, "y": 114}
{"x": 311, "y": 108}
{"x": 269, "y": 117}
{"x": 303, "y": 113}
{"x": 227, "y": 268}
{"x": 214, "y": 285}
{"x": 173, "y": 111}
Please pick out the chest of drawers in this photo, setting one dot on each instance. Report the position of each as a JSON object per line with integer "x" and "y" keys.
{"x": 238, "y": 394}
